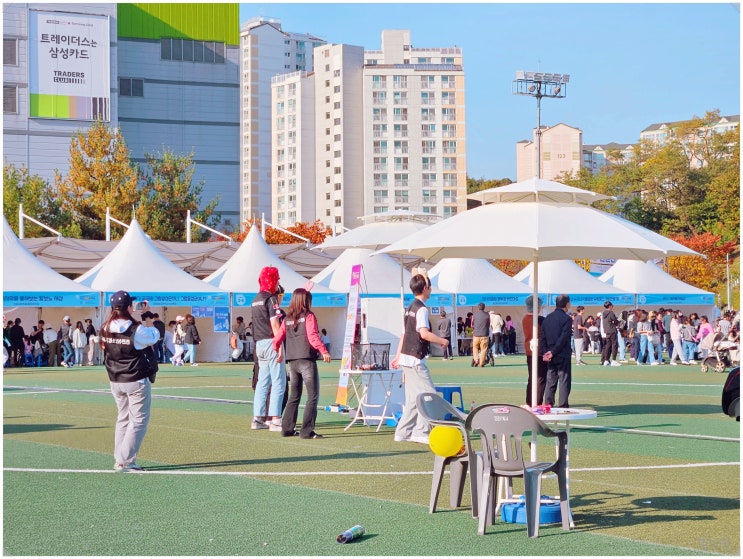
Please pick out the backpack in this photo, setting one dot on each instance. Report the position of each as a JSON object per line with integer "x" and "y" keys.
{"x": 233, "y": 341}
{"x": 731, "y": 394}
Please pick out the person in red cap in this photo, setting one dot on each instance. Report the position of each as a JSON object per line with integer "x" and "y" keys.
{"x": 267, "y": 317}
{"x": 131, "y": 363}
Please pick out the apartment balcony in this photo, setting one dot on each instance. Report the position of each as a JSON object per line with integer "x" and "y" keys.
{"x": 380, "y": 167}
{"x": 450, "y": 183}
{"x": 401, "y": 151}
{"x": 429, "y": 166}
{"x": 429, "y": 150}
{"x": 380, "y": 184}
{"x": 401, "y": 134}
{"x": 381, "y": 199}
{"x": 450, "y": 167}
{"x": 401, "y": 199}
{"x": 379, "y": 151}
{"x": 449, "y": 134}
{"x": 450, "y": 199}
{"x": 450, "y": 150}
{"x": 429, "y": 199}
{"x": 427, "y": 134}
{"x": 401, "y": 167}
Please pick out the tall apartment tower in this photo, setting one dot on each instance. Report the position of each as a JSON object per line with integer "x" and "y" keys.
{"x": 293, "y": 148}
{"x": 266, "y": 51}
{"x": 561, "y": 153}
{"x": 414, "y": 128}
{"x": 339, "y": 137}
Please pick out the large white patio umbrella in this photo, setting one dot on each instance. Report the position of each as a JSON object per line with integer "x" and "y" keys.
{"x": 537, "y": 220}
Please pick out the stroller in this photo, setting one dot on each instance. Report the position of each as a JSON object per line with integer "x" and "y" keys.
{"x": 723, "y": 354}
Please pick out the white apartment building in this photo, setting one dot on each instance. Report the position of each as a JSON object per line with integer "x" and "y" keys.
{"x": 561, "y": 153}
{"x": 339, "y": 124}
{"x": 414, "y": 128}
{"x": 293, "y": 148}
{"x": 596, "y": 156}
{"x": 265, "y": 51}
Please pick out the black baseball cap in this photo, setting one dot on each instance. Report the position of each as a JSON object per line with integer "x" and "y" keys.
{"x": 121, "y": 299}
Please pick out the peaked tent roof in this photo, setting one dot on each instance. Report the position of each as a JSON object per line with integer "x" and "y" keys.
{"x": 239, "y": 275}
{"x": 28, "y": 282}
{"x": 138, "y": 267}
{"x": 475, "y": 280}
{"x": 652, "y": 285}
{"x": 565, "y": 276}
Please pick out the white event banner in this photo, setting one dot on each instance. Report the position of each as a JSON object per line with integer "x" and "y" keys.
{"x": 69, "y": 66}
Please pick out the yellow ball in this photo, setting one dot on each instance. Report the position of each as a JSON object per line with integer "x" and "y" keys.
{"x": 446, "y": 441}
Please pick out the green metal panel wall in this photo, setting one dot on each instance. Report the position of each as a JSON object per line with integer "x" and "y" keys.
{"x": 202, "y": 22}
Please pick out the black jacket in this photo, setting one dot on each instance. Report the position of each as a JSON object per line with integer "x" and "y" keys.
{"x": 555, "y": 334}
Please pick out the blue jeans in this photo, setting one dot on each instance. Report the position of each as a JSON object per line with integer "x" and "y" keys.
{"x": 270, "y": 372}
{"x": 622, "y": 347}
{"x": 67, "y": 351}
{"x": 647, "y": 350}
{"x": 689, "y": 349}
{"x": 190, "y": 354}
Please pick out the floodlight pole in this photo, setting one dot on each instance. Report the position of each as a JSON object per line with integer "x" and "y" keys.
{"x": 540, "y": 84}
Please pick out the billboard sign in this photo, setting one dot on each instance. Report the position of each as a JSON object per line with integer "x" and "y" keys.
{"x": 69, "y": 66}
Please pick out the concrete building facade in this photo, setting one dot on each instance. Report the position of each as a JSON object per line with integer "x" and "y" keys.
{"x": 561, "y": 153}
{"x": 34, "y": 137}
{"x": 265, "y": 52}
{"x": 170, "y": 72}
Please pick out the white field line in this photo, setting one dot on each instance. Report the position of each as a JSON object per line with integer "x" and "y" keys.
{"x": 349, "y": 473}
{"x": 22, "y": 390}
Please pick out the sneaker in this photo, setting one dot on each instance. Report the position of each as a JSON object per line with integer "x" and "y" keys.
{"x": 692, "y": 362}
{"x": 684, "y": 362}
{"x": 313, "y": 435}
{"x": 615, "y": 364}
{"x": 194, "y": 364}
{"x": 128, "y": 468}
{"x": 275, "y": 425}
{"x": 673, "y": 363}
{"x": 290, "y": 434}
{"x": 623, "y": 361}
{"x": 451, "y": 359}
{"x": 606, "y": 363}
{"x": 581, "y": 362}
{"x": 64, "y": 364}
{"x": 258, "y": 424}
{"x": 399, "y": 439}
{"x": 419, "y": 439}
{"x": 654, "y": 363}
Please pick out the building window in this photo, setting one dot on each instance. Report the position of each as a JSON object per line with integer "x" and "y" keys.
{"x": 10, "y": 52}
{"x": 399, "y": 82}
{"x": 131, "y": 87}
{"x": 197, "y": 51}
{"x": 10, "y": 99}
{"x": 337, "y": 186}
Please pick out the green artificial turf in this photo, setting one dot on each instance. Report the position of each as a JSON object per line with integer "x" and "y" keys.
{"x": 656, "y": 473}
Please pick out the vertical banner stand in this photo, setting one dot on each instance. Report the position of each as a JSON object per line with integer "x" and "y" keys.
{"x": 341, "y": 396}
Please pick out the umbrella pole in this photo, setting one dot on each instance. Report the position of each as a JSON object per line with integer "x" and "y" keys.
{"x": 534, "y": 337}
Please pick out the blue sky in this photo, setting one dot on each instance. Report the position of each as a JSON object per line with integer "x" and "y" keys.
{"x": 630, "y": 65}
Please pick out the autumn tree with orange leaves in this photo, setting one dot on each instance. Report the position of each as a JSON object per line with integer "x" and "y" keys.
{"x": 315, "y": 232}
{"x": 707, "y": 273}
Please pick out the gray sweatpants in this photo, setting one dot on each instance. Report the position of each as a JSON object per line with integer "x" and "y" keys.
{"x": 417, "y": 381}
{"x": 133, "y": 400}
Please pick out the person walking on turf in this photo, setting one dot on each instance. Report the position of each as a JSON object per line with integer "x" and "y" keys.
{"x": 411, "y": 356}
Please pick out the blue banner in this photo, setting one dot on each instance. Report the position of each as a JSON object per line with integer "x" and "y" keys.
{"x": 596, "y": 299}
{"x": 221, "y": 319}
{"x": 318, "y": 299}
{"x": 492, "y": 299}
{"x": 179, "y": 299}
{"x": 50, "y": 299}
{"x": 671, "y": 299}
{"x": 202, "y": 312}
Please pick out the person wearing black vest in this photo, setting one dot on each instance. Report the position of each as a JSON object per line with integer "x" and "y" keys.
{"x": 124, "y": 341}
{"x": 267, "y": 316}
{"x": 411, "y": 356}
{"x": 303, "y": 345}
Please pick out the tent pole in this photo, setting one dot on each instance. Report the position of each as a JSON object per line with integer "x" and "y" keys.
{"x": 534, "y": 336}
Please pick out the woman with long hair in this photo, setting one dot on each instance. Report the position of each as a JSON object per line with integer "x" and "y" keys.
{"x": 303, "y": 344}
{"x": 178, "y": 341}
{"x": 191, "y": 339}
{"x": 124, "y": 340}
{"x": 79, "y": 341}
{"x": 705, "y": 331}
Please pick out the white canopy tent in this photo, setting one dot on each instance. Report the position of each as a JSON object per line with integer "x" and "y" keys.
{"x": 137, "y": 266}
{"x": 33, "y": 291}
{"x": 565, "y": 276}
{"x": 654, "y": 288}
{"x": 475, "y": 280}
{"x": 239, "y": 276}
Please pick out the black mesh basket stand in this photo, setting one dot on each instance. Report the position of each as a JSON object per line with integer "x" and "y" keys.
{"x": 370, "y": 357}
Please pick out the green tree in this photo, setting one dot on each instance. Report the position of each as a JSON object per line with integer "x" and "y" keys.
{"x": 101, "y": 176}
{"x": 476, "y": 185}
{"x": 36, "y": 196}
{"x": 167, "y": 193}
